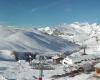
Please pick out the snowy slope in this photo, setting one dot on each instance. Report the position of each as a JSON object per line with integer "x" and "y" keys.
{"x": 23, "y": 71}
{"x": 79, "y": 33}
{"x": 32, "y": 40}
{"x": 6, "y": 55}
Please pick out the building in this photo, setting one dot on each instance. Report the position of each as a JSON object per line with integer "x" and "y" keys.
{"x": 57, "y": 59}
{"x": 85, "y": 63}
{"x": 97, "y": 69}
{"x": 78, "y": 60}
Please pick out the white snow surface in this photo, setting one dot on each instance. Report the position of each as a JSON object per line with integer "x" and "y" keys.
{"x": 47, "y": 40}
{"x": 17, "y": 39}
{"x": 22, "y": 71}
{"x": 80, "y": 33}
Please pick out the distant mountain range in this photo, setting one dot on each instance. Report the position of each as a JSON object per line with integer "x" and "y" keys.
{"x": 78, "y": 33}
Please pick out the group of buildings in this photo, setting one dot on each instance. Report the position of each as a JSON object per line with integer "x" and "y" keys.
{"x": 86, "y": 62}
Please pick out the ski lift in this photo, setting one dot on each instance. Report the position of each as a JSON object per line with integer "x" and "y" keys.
{"x": 41, "y": 65}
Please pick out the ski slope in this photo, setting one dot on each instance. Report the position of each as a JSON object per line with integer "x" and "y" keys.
{"x": 17, "y": 39}
{"x": 55, "y": 40}
{"x": 79, "y": 33}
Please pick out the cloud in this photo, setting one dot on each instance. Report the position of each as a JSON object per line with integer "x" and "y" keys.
{"x": 34, "y": 9}
{"x": 53, "y": 4}
{"x": 46, "y": 6}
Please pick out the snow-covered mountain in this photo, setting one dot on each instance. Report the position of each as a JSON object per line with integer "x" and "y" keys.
{"x": 17, "y": 39}
{"x": 79, "y": 33}
{"x": 66, "y": 37}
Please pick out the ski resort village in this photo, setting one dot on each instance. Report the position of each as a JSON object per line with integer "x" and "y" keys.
{"x": 64, "y": 52}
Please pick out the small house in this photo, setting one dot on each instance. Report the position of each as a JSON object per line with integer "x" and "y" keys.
{"x": 57, "y": 59}
{"x": 80, "y": 60}
{"x": 97, "y": 69}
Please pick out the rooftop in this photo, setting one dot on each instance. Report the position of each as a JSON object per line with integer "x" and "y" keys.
{"x": 84, "y": 58}
{"x": 97, "y": 65}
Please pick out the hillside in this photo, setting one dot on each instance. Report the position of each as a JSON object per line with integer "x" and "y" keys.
{"x": 84, "y": 34}
{"x": 17, "y": 39}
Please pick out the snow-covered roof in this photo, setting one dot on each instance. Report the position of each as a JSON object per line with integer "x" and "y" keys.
{"x": 55, "y": 57}
{"x": 97, "y": 65}
{"x": 84, "y": 57}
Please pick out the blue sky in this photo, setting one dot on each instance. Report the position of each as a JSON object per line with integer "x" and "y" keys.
{"x": 48, "y": 12}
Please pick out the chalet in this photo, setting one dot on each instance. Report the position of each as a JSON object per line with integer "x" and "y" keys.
{"x": 78, "y": 60}
{"x": 57, "y": 59}
{"x": 85, "y": 63}
{"x": 97, "y": 69}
